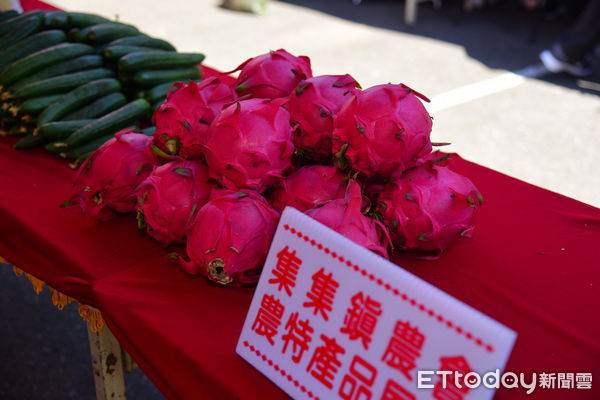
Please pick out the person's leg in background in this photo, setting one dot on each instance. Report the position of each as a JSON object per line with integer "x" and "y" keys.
{"x": 572, "y": 54}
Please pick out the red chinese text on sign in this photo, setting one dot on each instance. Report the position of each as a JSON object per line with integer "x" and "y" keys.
{"x": 322, "y": 293}
{"x": 361, "y": 318}
{"x": 268, "y": 318}
{"x": 324, "y": 363}
{"x": 299, "y": 335}
{"x": 451, "y": 391}
{"x": 394, "y": 391}
{"x": 357, "y": 383}
{"x": 286, "y": 270}
{"x": 404, "y": 348}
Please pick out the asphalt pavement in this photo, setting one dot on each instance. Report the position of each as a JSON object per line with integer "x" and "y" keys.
{"x": 44, "y": 352}
{"x": 490, "y": 98}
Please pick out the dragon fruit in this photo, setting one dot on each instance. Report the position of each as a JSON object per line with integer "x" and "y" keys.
{"x": 345, "y": 217}
{"x": 229, "y": 238}
{"x": 271, "y": 75}
{"x": 309, "y": 187}
{"x": 182, "y": 121}
{"x": 168, "y": 196}
{"x": 382, "y": 131}
{"x": 106, "y": 182}
{"x": 429, "y": 207}
{"x": 312, "y": 107}
{"x": 249, "y": 144}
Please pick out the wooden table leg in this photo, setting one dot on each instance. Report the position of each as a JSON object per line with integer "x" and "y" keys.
{"x": 129, "y": 364}
{"x": 107, "y": 365}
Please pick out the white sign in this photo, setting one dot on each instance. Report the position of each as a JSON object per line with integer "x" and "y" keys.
{"x": 330, "y": 319}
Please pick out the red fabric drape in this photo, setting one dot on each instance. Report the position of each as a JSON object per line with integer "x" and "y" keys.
{"x": 532, "y": 265}
{"x": 36, "y": 5}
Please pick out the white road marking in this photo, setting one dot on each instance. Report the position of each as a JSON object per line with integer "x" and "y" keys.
{"x": 473, "y": 91}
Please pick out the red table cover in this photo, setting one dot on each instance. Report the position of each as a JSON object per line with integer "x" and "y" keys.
{"x": 533, "y": 265}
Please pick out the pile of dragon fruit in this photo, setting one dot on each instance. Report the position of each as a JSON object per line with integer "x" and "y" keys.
{"x": 226, "y": 159}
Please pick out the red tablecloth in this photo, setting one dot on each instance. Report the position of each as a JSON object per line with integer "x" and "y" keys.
{"x": 533, "y": 264}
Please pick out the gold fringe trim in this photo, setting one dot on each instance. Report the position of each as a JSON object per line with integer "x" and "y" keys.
{"x": 60, "y": 300}
{"x": 92, "y": 316}
{"x": 37, "y": 284}
{"x": 89, "y": 314}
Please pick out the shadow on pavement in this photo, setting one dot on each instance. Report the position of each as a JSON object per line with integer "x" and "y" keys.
{"x": 44, "y": 352}
{"x": 503, "y": 36}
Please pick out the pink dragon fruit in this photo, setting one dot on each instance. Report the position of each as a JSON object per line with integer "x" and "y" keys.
{"x": 345, "y": 217}
{"x": 271, "y": 75}
{"x": 309, "y": 187}
{"x": 249, "y": 144}
{"x": 372, "y": 188}
{"x": 382, "y": 131}
{"x": 312, "y": 107}
{"x": 182, "y": 121}
{"x": 167, "y": 198}
{"x": 107, "y": 181}
{"x": 229, "y": 237}
{"x": 429, "y": 207}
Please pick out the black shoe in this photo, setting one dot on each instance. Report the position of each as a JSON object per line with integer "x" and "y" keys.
{"x": 556, "y": 61}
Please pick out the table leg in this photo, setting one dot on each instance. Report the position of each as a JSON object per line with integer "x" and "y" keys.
{"x": 129, "y": 364}
{"x": 410, "y": 12}
{"x": 107, "y": 364}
